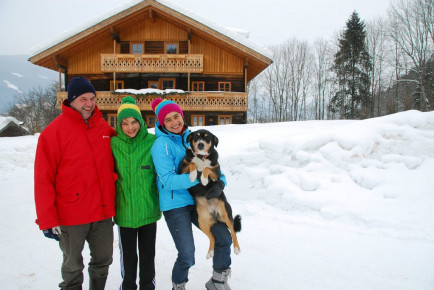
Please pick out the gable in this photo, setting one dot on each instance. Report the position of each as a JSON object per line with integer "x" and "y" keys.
{"x": 150, "y": 20}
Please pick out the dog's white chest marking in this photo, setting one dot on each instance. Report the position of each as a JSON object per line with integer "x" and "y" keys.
{"x": 201, "y": 164}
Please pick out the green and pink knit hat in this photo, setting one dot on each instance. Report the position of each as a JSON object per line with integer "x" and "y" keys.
{"x": 163, "y": 107}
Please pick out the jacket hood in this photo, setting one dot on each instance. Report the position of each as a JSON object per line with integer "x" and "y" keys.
{"x": 141, "y": 134}
{"x": 160, "y": 131}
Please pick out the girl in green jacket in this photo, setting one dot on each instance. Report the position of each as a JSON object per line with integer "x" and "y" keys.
{"x": 137, "y": 205}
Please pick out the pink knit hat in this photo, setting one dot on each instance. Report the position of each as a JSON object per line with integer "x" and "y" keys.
{"x": 163, "y": 107}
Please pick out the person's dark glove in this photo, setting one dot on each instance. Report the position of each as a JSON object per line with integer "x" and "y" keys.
{"x": 52, "y": 233}
{"x": 215, "y": 189}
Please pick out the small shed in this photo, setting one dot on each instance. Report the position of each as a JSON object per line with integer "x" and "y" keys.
{"x": 11, "y": 127}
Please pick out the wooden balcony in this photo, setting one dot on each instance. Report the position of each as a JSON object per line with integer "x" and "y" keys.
{"x": 193, "y": 101}
{"x": 152, "y": 63}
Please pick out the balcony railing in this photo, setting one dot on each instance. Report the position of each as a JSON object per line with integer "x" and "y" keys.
{"x": 172, "y": 63}
{"x": 193, "y": 101}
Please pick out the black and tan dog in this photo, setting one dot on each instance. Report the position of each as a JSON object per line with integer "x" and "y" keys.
{"x": 201, "y": 161}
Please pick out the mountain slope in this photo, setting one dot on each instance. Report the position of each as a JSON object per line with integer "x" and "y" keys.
{"x": 18, "y": 75}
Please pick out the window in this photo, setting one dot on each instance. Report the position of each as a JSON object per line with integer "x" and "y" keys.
{"x": 137, "y": 48}
{"x": 171, "y": 48}
{"x": 154, "y": 47}
{"x": 198, "y": 86}
{"x": 225, "y": 86}
{"x": 154, "y": 84}
{"x": 119, "y": 85}
{"x": 167, "y": 83}
{"x": 112, "y": 119}
{"x": 225, "y": 119}
{"x": 150, "y": 121}
{"x": 198, "y": 120}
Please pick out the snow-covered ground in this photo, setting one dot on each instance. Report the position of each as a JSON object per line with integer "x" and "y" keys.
{"x": 325, "y": 205}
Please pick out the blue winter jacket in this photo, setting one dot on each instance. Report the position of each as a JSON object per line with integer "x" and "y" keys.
{"x": 167, "y": 152}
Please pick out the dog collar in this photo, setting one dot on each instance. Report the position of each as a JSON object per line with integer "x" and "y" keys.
{"x": 203, "y": 156}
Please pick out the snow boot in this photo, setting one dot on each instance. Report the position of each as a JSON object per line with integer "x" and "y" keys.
{"x": 178, "y": 286}
{"x": 219, "y": 280}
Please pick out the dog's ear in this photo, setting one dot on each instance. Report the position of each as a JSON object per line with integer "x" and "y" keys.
{"x": 215, "y": 140}
{"x": 189, "y": 137}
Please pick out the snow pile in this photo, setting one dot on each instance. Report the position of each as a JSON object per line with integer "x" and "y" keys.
{"x": 325, "y": 205}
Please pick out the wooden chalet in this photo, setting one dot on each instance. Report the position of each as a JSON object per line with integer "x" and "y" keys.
{"x": 153, "y": 44}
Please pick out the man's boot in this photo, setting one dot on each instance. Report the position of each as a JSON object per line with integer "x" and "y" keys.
{"x": 219, "y": 280}
{"x": 97, "y": 283}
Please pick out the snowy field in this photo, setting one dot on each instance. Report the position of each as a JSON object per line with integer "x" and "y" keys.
{"x": 325, "y": 205}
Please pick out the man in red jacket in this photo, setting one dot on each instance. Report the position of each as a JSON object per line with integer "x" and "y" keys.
{"x": 75, "y": 186}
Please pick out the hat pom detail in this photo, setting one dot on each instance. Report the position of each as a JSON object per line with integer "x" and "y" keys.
{"x": 128, "y": 100}
{"x": 155, "y": 103}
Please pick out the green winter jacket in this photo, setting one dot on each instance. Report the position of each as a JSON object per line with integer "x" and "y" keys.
{"x": 136, "y": 190}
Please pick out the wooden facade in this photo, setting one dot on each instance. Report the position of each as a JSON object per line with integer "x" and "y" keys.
{"x": 151, "y": 45}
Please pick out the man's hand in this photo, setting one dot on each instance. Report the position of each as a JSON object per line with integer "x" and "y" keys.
{"x": 52, "y": 233}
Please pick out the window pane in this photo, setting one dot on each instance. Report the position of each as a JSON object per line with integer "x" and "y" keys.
{"x": 167, "y": 84}
{"x": 112, "y": 121}
{"x": 198, "y": 86}
{"x": 224, "y": 86}
{"x": 200, "y": 121}
{"x": 153, "y": 85}
{"x": 152, "y": 121}
{"x": 137, "y": 48}
{"x": 171, "y": 48}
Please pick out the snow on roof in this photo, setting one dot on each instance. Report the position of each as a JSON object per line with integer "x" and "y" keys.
{"x": 238, "y": 35}
{"x": 4, "y": 121}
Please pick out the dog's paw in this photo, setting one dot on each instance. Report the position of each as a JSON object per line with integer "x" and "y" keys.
{"x": 204, "y": 180}
{"x": 193, "y": 175}
{"x": 237, "y": 251}
{"x": 210, "y": 254}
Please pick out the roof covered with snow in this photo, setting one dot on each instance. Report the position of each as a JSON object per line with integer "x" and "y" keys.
{"x": 237, "y": 35}
{"x": 5, "y": 121}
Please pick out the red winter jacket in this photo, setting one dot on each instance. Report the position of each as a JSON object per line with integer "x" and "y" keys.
{"x": 74, "y": 171}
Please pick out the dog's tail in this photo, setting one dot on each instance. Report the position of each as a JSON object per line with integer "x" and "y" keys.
{"x": 237, "y": 223}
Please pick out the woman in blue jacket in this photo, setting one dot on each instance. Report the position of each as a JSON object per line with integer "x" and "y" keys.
{"x": 176, "y": 202}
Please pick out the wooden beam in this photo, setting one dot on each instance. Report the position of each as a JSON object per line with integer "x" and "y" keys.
{"x": 246, "y": 66}
{"x": 59, "y": 61}
{"x": 188, "y": 86}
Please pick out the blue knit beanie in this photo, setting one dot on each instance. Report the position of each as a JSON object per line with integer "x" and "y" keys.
{"x": 78, "y": 86}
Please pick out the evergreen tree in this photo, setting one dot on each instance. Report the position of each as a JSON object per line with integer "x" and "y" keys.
{"x": 352, "y": 67}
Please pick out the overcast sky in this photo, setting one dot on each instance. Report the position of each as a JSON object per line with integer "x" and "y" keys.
{"x": 25, "y": 24}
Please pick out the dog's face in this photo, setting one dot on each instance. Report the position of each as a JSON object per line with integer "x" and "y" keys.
{"x": 202, "y": 142}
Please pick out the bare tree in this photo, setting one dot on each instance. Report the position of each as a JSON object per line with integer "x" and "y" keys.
{"x": 411, "y": 32}
{"x": 376, "y": 40}
{"x": 426, "y": 8}
{"x": 298, "y": 58}
{"x": 36, "y": 108}
{"x": 254, "y": 100}
{"x": 287, "y": 80}
{"x": 275, "y": 84}
{"x": 322, "y": 77}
